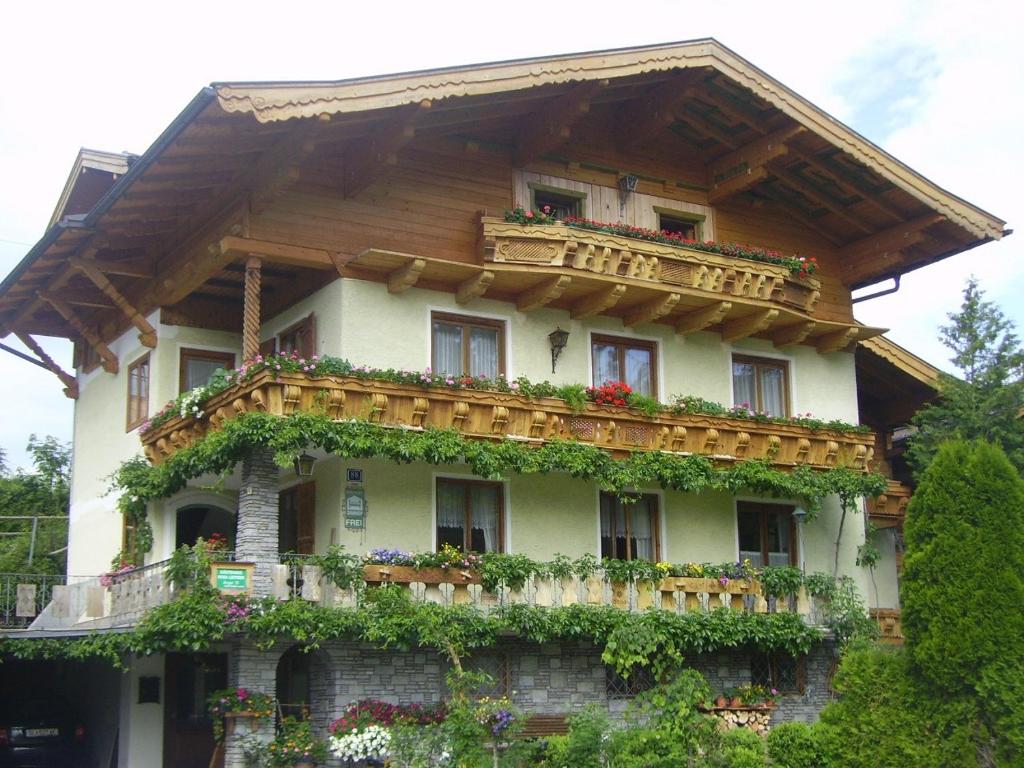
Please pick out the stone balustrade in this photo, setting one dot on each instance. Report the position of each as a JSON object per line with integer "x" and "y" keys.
{"x": 628, "y": 257}
{"x": 496, "y": 416}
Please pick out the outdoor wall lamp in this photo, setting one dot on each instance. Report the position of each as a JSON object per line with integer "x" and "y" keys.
{"x": 304, "y": 465}
{"x": 558, "y": 339}
{"x": 627, "y": 186}
{"x": 800, "y": 517}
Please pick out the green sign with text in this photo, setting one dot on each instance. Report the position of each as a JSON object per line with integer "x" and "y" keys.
{"x": 232, "y": 578}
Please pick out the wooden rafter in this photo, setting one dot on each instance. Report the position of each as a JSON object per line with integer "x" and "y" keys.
{"x": 742, "y": 327}
{"x": 543, "y": 293}
{"x": 366, "y": 158}
{"x": 277, "y": 169}
{"x": 651, "y": 310}
{"x": 890, "y": 239}
{"x": 86, "y": 297}
{"x": 821, "y": 165}
{"x": 705, "y": 317}
{"x": 703, "y": 125}
{"x": 722, "y": 102}
{"x": 597, "y": 302}
{"x": 473, "y": 287}
{"x": 793, "y": 334}
{"x": 804, "y": 218}
{"x": 550, "y": 128}
{"x": 745, "y": 167}
{"x": 108, "y": 359}
{"x": 642, "y": 119}
{"x": 405, "y": 277}
{"x": 811, "y": 192}
{"x": 69, "y": 381}
{"x": 147, "y": 333}
{"x": 837, "y": 340}
{"x": 276, "y": 253}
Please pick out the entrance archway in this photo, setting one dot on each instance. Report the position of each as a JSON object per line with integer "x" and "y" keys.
{"x": 197, "y": 521}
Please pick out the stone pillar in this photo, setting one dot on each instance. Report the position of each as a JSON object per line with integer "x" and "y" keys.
{"x": 256, "y": 539}
{"x": 255, "y": 671}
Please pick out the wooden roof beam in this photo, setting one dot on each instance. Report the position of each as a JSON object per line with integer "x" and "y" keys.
{"x": 239, "y": 248}
{"x": 107, "y": 358}
{"x": 543, "y": 293}
{"x": 86, "y": 297}
{"x": 746, "y": 166}
{"x": 550, "y": 128}
{"x": 277, "y": 169}
{"x": 742, "y": 327}
{"x": 366, "y": 158}
{"x": 705, "y": 127}
{"x": 815, "y": 195}
{"x": 69, "y": 381}
{"x": 651, "y": 310}
{"x": 793, "y": 334}
{"x": 597, "y": 302}
{"x": 642, "y": 119}
{"x": 851, "y": 187}
{"x": 705, "y": 317}
{"x": 875, "y": 253}
{"x": 147, "y": 333}
{"x": 800, "y": 215}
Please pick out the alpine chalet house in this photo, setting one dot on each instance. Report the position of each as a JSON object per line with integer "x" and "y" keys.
{"x": 394, "y": 266}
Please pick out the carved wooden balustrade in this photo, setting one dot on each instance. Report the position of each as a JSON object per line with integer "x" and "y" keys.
{"x": 462, "y": 587}
{"x": 497, "y": 416}
{"x": 671, "y": 265}
{"x": 890, "y": 509}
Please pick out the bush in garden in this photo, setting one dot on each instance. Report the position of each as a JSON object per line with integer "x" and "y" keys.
{"x": 887, "y": 718}
{"x": 963, "y": 579}
{"x": 738, "y": 748}
{"x": 794, "y": 745}
{"x": 584, "y": 745}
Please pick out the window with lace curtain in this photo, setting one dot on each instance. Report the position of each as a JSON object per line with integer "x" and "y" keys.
{"x": 629, "y": 529}
{"x": 761, "y": 385}
{"x": 628, "y": 360}
{"x": 470, "y": 515}
{"x": 467, "y": 346}
{"x": 767, "y": 533}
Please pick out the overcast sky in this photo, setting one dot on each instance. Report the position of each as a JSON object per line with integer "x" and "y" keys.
{"x": 938, "y": 84}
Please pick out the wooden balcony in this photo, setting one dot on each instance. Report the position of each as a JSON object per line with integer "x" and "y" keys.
{"x": 498, "y": 416}
{"x": 588, "y": 273}
{"x": 890, "y": 509}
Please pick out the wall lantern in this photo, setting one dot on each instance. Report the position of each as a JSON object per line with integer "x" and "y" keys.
{"x": 627, "y": 186}
{"x": 304, "y": 465}
{"x": 558, "y": 339}
{"x": 800, "y": 517}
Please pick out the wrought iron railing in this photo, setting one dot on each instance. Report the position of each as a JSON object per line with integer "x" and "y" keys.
{"x": 23, "y": 596}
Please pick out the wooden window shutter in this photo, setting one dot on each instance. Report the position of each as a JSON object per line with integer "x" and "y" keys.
{"x": 306, "y": 516}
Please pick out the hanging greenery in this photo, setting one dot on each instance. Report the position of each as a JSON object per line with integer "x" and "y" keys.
{"x": 219, "y": 451}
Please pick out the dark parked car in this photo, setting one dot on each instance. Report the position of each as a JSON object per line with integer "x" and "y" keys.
{"x": 40, "y": 733}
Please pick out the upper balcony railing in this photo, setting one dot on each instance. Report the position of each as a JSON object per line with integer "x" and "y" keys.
{"x": 627, "y": 257}
{"x": 890, "y": 509}
{"x": 489, "y": 415}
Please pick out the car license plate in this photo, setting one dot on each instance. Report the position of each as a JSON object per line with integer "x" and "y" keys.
{"x": 38, "y": 733}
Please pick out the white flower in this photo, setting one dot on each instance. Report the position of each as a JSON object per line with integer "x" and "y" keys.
{"x": 372, "y": 742}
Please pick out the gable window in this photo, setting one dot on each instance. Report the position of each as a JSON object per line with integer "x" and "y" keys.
{"x": 561, "y": 203}
{"x": 629, "y": 529}
{"x": 470, "y": 515}
{"x": 676, "y": 224}
{"x": 628, "y": 360}
{"x": 761, "y": 385}
{"x": 766, "y": 533}
{"x": 781, "y": 671}
{"x": 467, "y": 346}
{"x": 198, "y": 366}
{"x": 138, "y": 392}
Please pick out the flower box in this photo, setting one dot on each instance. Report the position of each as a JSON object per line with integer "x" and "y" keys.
{"x": 406, "y": 574}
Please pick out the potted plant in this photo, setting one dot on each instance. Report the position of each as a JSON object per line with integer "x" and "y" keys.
{"x": 230, "y": 705}
{"x": 294, "y": 746}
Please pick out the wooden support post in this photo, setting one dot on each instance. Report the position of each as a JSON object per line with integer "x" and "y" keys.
{"x": 108, "y": 358}
{"x": 597, "y": 302}
{"x": 251, "y": 309}
{"x": 651, "y": 310}
{"x": 793, "y": 334}
{"x": 743, "y": 327}
{"x": 69, "y": 381}
{"x": 543, "y": 293}
{"x": 147, "y": 333}
{"x": 699, "y": 319}
{"x": 474, "y": 287}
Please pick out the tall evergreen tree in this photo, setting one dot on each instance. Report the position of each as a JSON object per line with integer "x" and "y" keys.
{"x": 986, "y": 402}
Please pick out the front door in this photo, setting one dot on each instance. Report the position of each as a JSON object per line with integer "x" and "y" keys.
{"x": 188, "y": 730}
{"x": 297, "y": 519}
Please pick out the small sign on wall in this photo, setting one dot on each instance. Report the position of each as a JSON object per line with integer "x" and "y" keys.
{"x": 355, "y": 508}
{"x": 232, "y": 578}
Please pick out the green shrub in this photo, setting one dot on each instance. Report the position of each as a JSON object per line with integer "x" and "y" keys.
{"x": 963, "y": 579}
{"x": 886, "y": 718}
{"x": 794, "y": 745}
{"x": 583, "y": 747}
{"x": 1001, "y": 698}
{"x": 648, "y": 748}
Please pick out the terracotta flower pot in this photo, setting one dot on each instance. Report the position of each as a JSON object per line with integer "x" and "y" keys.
{"x": 721, "y": 701}
{"x": 736, "y": 702}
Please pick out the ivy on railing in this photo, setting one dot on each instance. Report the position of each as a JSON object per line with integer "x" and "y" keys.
{"x": 219, "y": 451}
{"x": 575, "y": 396}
